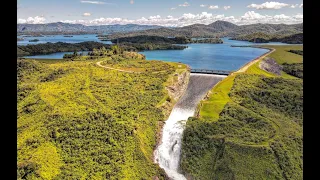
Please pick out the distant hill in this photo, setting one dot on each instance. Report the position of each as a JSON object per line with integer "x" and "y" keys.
{"x": 260, "y": 37}
{"x": 161, "y": 40}
{"x": 218, "y": 28}
{"x": 215, "y": 29}
{"x": 292, "y": 39}
{"x": 67, "y": 28}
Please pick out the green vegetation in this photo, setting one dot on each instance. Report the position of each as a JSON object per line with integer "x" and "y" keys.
{"x": 34, "y": 40}
{"x": 218, "y": 98}
{"x": 300, "y": 52}
{"x": 146, "y": 39}
{"x": 260, "y": 37}
{"x": 292, "y": 39}
{"x": 77, "y": 120}
{"x": 49, "y": 48}
{"x": 151, "y": 46}
{"x": 281, "y": 55}
{"x": 294, "y": 69}
{"x": 215, "y": 29}
{"x": 142, "y": 39}
{"x": 208, "y": 40}
{"x": 250, "y": 127}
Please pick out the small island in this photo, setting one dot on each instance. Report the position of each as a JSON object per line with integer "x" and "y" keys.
{"x": 208, "y": 40}
{"x": 33, "y": 35}
{"x": 67, "y": 36}
{"x": 34, "y": 40}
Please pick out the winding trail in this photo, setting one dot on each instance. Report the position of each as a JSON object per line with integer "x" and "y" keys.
{"x": 99, "y": 64}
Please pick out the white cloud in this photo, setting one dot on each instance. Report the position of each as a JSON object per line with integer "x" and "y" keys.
{"x": 213, "y": 7}
{"x": 268, "y": 5}
{"x": 86, "y": 14}
{"x": 32, "y": 20}
{"x": 93, "y": 2}
{"x": 185, "y": 4}
{"x": 202, "y": 5}
{"x": 301, "y": 6}
{"x": 131, "y": 1}
{"x": 249, "y": 17}
{"x": 298, "y": 16}
{"x": 226, "y": 7}
{"x": 172, "y": 8}
{"x": 155, "y": 17}
{"x": 294, "y": 5}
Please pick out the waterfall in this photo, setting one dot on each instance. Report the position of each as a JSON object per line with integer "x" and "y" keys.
{"x": 167, "y": 154}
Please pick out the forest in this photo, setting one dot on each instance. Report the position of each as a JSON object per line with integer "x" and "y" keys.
{"x": 77, "y": 120}
{"x": 49, "y": 48}
{"x": 300, "y": 52}
{"x": 165, "y": 40}
{"x": 261, "y": 37}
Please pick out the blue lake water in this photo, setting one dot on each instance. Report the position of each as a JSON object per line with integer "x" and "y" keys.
{"x": 200, "y": 56}
{"x": 211, "y": 56}
{"x": 61, "y": 38}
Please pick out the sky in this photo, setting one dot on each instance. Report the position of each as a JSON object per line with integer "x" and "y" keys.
{"x": 171, "y": 13}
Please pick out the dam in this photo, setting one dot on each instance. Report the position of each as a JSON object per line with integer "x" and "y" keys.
{"x": 167, "y": 154}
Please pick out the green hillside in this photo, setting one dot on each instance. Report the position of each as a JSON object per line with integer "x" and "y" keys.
{"x": 250, "y": 127}
{"x": 77, "y": 120}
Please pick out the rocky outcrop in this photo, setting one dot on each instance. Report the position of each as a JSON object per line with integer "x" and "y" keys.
{"x": 270, "y": 65}
{"x": 175, "y": 91}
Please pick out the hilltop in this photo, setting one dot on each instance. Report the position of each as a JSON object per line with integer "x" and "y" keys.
{"x": 77, "y": 120}
{"x": 217, "y": 28}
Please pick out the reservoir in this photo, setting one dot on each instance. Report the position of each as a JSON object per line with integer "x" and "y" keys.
{"x": 197, "y": 56}
{"x": 211, "y": 56}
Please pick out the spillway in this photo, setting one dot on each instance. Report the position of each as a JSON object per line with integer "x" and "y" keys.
{"x": 167, "y": 154}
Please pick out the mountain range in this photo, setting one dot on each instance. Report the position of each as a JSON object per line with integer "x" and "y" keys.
{"x": 67, "y": 28}
{"x": 217, "y": 28}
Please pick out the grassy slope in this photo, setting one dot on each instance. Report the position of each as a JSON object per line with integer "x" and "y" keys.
{"x": 80, "y": 121}
{"x": 282, "y": 56}
{"x": 211, "y": 108}
{"x": 240, "y": 135}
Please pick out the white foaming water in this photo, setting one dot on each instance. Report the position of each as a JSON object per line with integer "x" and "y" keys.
{"x": 168, "y": 153}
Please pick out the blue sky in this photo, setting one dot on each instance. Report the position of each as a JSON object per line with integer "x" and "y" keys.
{"x": 160, "y": 12}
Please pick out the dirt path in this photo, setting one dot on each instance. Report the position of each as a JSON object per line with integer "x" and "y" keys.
{"x": 99, "y": 64}
{"x": 246, "y": 66}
